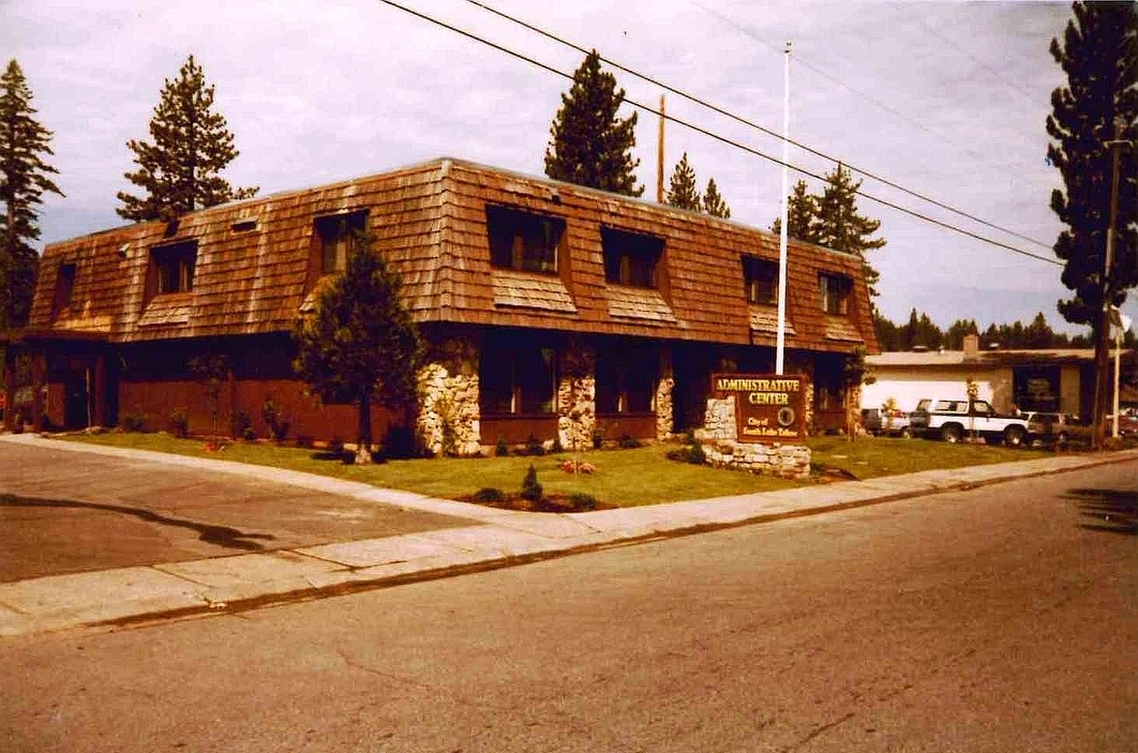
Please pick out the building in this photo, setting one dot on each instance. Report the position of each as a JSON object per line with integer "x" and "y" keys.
{"x": 549, "y": 308}
{"x": 1050, "y": 380}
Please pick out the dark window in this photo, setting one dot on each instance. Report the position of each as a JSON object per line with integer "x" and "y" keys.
{"x": 835, "y": 293}
{"x": 337, "y": 235}
{"x": 517, "y": 380}
{"x": 524, "y": 241}
{"x": 64, "y": 284}
{"x": 174, "y": 267}
{"x": 760, "y": 278}
{"x": 631, "y": 258}
{"x": 626, "y": 381}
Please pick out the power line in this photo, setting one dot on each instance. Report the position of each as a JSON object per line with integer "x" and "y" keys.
{"x": 744, "y": 121}
{"x": 720, "y": 138}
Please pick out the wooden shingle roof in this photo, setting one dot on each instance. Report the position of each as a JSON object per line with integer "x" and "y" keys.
{"x": 258, "y": 262}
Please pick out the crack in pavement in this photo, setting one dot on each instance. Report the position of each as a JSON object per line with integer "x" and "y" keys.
{"x": 223, "y": 536}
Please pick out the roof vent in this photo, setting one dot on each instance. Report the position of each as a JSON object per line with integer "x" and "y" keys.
{"x": 243, "y": 226}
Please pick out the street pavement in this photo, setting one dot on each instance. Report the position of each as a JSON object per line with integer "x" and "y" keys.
{"x": 276, "y": 536}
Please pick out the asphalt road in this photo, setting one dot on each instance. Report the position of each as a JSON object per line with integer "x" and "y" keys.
{"x": 1000, "y": 619}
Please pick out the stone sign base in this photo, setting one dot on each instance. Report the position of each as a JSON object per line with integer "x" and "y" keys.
{"x": 718, "y": 438}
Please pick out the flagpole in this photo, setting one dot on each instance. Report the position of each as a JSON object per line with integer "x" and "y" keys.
{"x": 780, "y": 342}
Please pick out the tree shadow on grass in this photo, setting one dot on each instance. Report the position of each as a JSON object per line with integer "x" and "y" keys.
{"x": 222, "y": 536}
{"x": 1111, "y": 510}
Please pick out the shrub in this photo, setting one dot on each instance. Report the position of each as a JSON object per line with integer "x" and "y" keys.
{"x": 629, "y": 442}
{"x": 531, "y": 489}
{"x": 399, "y": 444}
{"x": 582, "y": 501}
{"x": 335, "y": 444}
{"x": 243, "y": 426}
{"x": 534, "y": 447}
{"x": 130, "y": 421}
{"x": 598, "y": 439}
{"x": 696, "y": 455}
{"x": 275, "y": 419}
{"x": 556, "y": 449}
{"x": 501, "y": 449}
{"x": 304, "y": 441}
{"x": 489, "y": 494}
{"x": 180, "y": 423}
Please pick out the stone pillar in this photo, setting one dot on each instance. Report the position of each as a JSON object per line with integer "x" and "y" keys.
{"x": 665, "y": 402}
{"x": 577, "y": 397}
{"x": 449, "y": 419}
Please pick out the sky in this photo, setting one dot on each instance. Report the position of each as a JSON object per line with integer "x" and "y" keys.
{"x": 948, "y": 100}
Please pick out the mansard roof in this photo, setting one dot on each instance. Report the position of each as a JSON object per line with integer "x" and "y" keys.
{"x": 258, "y": 262}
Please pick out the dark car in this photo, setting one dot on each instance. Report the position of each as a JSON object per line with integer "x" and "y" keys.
{"x": 886, "y": 421}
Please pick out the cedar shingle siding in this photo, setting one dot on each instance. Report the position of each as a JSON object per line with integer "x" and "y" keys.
{"x": 258, "y": 260}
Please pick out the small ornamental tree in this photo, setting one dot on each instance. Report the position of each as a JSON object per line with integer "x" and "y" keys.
{"x": 24, "y": 178}
{"x": 192, "y": 144}
{"x": 360, "y": 345}
{"x": 682, "y": 192}
{"x": 713, "y": 202}
{"x": 590, "y": 145}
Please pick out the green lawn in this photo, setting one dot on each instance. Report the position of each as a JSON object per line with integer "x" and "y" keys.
{"x": 623, "y": 477}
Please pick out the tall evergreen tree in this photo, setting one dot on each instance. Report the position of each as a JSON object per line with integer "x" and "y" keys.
{"x": 713, "y": 202}
{"x": 179, "y": 171}
{"x": 590, "y": 145}
{"x": 682, "y": 192}
{"x": 1099, "y": 54}
{"x": 841, "y": 228}
{"x": 801, "y": 214}
{"x": 24, "y": 177}
{"x": 360, "y": 345}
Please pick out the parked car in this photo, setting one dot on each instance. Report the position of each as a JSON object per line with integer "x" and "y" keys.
{"x": 953, "y": 420}
{"x": 1049, "y": 428}
{"x": 886, "y": 421}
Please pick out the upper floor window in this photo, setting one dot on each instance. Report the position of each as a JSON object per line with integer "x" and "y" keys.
{"x": 338, "y": 235}
{"x": 173, "y": 267}
{"x": 835, "y": 293}
{"x": 64, "y": 284}
{"x": 631, "y": 258}
{"x": 760, "y": 280}
{"x": 523, "y": 241}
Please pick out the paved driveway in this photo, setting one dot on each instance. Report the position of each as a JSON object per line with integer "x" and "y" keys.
{"x": 67, "y": 512}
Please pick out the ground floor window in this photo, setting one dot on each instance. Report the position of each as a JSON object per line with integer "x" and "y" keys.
{"x": 626, "y": 381}
{"x": 517, "y": 380}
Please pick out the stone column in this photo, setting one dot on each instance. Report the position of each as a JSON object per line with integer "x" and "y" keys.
{"x": 664, "y": 402}
{"x": 449, "y": 420}
{"x": 577, "y": 397}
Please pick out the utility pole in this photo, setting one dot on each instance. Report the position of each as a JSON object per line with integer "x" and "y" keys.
{"x": 1102, "y": 341}
{"x": 660, "y": 156}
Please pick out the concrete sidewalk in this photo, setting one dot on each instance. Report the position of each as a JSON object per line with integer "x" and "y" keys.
{"x": 494, "y": 538}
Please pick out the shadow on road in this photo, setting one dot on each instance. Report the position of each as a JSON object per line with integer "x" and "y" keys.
{"x": 224, "y": 536}
{"x": 1112, "y": 510}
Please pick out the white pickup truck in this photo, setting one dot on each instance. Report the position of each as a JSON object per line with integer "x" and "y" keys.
{"x": 953, "y": 420}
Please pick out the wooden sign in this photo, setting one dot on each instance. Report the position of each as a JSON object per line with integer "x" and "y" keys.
{"x": 768, "y": 407}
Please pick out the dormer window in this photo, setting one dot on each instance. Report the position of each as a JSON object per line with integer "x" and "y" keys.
{"x": 522, "y": 240}
{"x": 64, "y": 284}
{"x": 631, "y": 258}
{"x": 834, "y": 291}
{"x": 172, "y": 267}
{"x": 337, "y": 235}
{"x": 760, "y": 281}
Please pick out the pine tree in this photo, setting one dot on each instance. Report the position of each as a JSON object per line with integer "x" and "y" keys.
{"x": 713, "y": 203}
{"x": 590, "y": 145}
{"x": 179, "y": 171}
{"x": 802, "y": 215}
{"x": 360, "y": 345}
{"x": 1099, "y": 54}
{"x": 682, "y": 192}
{"x": 841, "y": 228}
{"x": 24, "y": 177}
